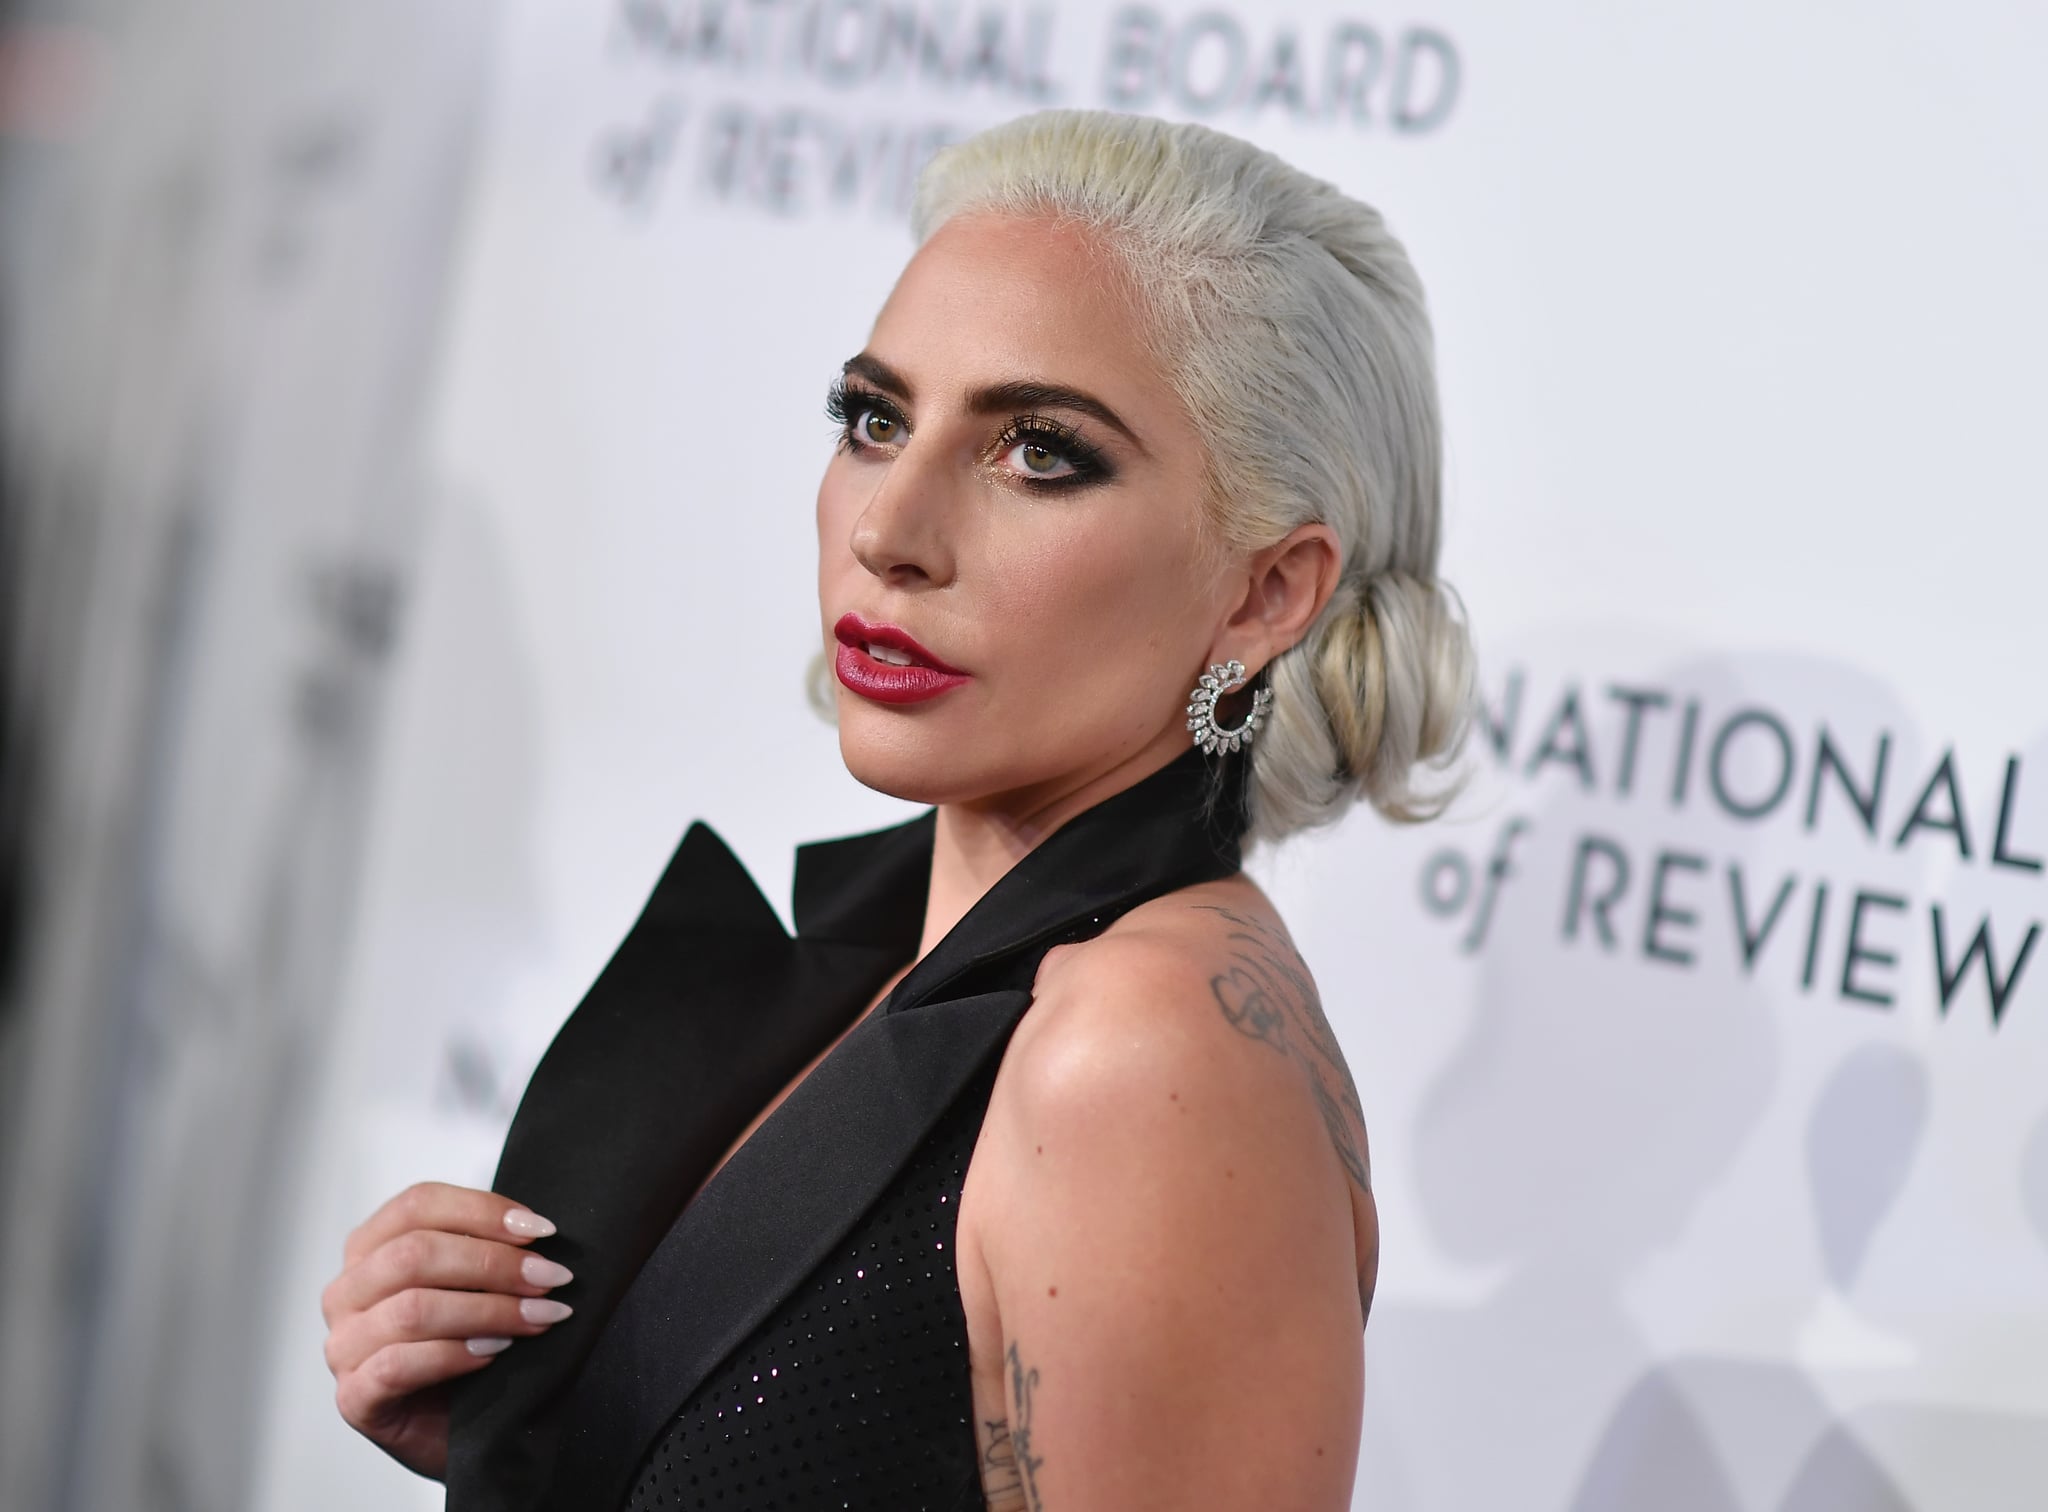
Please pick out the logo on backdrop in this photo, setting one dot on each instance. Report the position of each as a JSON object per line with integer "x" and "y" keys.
{"x": 728, "y": 141}
{"x": 1723, "y": 774}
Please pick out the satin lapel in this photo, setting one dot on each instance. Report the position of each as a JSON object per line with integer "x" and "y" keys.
{"x": 818, "y": 1162}
{"x": 1173, "y": 829}
{"x": 704, "y": 1013}
{"x": 766, "y": 1221}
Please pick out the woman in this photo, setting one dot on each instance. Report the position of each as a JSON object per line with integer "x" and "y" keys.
{"x": 1028, "y": 1174}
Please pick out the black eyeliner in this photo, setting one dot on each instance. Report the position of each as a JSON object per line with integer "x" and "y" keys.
{"x": 1061, "y": 439}
{"x": 846, "y": 402}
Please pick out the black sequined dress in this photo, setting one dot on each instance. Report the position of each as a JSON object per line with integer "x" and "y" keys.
{"x": 856, "y": 1392}
{"x": 792, "y": 1336}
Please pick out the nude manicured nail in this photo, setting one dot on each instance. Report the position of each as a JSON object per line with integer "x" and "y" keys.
{"x": 539, "y": 1270}
{"x": 488, "y": 1346}
{"x": 543, "y": 1309}
{"x": 527, "y": 1225}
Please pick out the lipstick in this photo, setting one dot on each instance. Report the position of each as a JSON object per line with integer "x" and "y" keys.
{"x": 886, "y": 664}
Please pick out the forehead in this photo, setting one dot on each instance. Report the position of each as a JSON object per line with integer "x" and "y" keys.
{"x": 1004, "y": 297}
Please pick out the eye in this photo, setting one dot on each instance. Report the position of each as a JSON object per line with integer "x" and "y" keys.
{"x": 866, "y": 420}
{"x": 1047, "y": 453}
{"x": 1039, "y": 458}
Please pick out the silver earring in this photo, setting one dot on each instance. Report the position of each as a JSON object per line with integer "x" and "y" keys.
{"x": 1217, "y": 681}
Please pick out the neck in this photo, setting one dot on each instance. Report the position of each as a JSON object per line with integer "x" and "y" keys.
{"x": 978, "y": 841}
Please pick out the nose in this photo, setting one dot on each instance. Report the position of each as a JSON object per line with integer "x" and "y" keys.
{"x": 902, "y": 533}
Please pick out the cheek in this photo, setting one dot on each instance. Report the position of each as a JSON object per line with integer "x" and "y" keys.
{"x": 1113, "y": 572}
{"x": 1116, "y": 607}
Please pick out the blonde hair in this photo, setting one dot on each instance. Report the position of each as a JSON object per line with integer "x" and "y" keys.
{"x": 1290, "y": 323}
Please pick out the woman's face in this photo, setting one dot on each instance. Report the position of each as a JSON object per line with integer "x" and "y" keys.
{"x": 1015, "y": 512}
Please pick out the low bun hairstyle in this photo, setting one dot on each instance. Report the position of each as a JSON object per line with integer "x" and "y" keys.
{"x": 1291, "y": 323}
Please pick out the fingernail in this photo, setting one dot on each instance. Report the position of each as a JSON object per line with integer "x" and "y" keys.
{"x": 527, "y": 1225}
{"x": 543, "y": 1309}
{"x": 488, "y": 1346}
{"x": 539, "y": 1270}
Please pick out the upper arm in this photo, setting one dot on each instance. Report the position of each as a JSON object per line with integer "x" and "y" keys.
{"x": 1171, "y": 1254}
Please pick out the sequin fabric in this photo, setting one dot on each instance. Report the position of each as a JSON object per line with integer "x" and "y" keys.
{"x": 854, "y": 1394}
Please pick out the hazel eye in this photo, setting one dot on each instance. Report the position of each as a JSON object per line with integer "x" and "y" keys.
{"x": 877, "y": 428}
{"x": 1039, "y": 460}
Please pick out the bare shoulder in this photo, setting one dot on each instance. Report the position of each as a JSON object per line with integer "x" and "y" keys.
{"x": 1176, "y": 1082}
{"x": 1163, "y": 1242}
{"x": 1205, "y": 987}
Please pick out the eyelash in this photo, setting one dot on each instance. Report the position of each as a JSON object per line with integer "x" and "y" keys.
{"x": 846, "y": 403}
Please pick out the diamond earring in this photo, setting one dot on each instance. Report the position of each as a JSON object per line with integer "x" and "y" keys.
{"x": 1217, "y": 681}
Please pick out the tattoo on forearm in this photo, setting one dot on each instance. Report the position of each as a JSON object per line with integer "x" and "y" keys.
{"x": 1012, "y": 1447}
{"x": 1268, "y": 996}
{"x": 1001, "y": 1487}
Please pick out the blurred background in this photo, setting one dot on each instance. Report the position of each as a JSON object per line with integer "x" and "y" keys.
{"x": 409, "y": 418}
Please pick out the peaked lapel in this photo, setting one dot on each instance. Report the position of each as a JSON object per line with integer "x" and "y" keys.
{"x": 706, "y": 1011}
{"x": 766, "y": 1221}
{"x": 569, "y": 1430}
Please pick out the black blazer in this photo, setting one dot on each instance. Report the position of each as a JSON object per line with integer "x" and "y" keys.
{"x": 704, "y": 1014}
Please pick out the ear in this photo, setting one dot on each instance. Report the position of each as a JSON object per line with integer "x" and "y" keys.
{"x": 1287, "y": 585}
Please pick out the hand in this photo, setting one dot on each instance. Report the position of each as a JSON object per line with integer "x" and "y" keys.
{"x": 433, "y": 1286}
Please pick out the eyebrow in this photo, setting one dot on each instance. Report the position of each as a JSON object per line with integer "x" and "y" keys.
{"x": 999, "y": 398}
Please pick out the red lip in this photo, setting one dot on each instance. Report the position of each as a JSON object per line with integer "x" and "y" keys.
{"x": 888, "y": 682}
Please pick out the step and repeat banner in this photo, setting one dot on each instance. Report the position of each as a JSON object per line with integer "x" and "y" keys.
{"x": 1705, "y": 1043}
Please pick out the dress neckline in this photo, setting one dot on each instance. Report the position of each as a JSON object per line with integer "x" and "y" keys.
{"x": 709, "y": 1009}
{"x": 1168, "y": 825}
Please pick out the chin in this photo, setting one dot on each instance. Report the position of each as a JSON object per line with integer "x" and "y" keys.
{"x": 906, "y": 754}
{"x": 933, "y": 755}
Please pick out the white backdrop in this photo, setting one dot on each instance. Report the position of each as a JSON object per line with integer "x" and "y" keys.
{"x": 1713, "y": 1168}
{"x": 223, "y": 282}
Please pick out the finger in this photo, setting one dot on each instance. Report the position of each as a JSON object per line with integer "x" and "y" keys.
{"x": 423, "y": 1314}
{"x": 370, "y": 1395}
{"x": 455, "y": 1262}
{"x": 452, "y": 1209}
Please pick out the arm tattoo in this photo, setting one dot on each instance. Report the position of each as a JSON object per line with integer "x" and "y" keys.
{"x": 1002, "y": 1488}
{"x": 1009, "y": 1448}
{"x": 1266, "y": 995}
